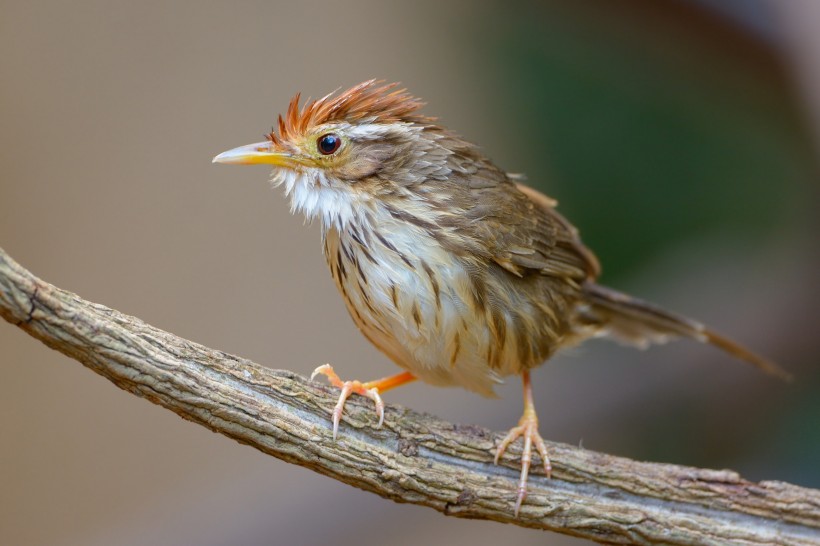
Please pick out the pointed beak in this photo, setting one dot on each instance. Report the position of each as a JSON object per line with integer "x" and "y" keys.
{"x": 253, "y": 154}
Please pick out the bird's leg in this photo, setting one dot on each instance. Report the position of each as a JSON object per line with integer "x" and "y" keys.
{"x": 528, "y": 428}
{"x": 370, "y": 389}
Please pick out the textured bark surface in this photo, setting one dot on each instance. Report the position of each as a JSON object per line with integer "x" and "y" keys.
{"x": 415, "y": 457}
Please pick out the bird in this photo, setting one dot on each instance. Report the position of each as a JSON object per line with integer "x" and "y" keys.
{"x": 454, "y": 269}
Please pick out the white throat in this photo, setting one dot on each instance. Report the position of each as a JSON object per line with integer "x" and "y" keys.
{"x": 312, "y": 194}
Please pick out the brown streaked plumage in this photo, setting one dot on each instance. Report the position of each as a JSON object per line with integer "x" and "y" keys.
{"x": 453, "y": 269}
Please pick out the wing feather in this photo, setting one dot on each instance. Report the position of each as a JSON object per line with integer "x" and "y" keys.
{"x": 524, "y": 234}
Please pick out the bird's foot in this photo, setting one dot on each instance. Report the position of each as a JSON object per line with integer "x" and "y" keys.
{"x": 349, "y": 387}
{"x": 528, "y": 428}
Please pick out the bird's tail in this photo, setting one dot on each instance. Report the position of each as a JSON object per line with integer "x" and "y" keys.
{"x": 632, "y": 321}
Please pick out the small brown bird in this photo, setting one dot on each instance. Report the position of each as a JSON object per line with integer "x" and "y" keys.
{"x": 452, "y": 268}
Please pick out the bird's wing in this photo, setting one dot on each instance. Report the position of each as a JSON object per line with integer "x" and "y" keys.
{"x": 568, "y": 246}
{"x": 524, "y": 234}
{"x": 506, "y": 222}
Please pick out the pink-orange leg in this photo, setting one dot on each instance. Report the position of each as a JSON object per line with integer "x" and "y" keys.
{"x": 370, "y": 389}
{"x": 528, "y": 428}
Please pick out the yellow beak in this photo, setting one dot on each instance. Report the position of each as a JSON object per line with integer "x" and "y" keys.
{"x": 253, "y": 154}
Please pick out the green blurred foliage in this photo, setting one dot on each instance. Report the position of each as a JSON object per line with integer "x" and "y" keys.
{"x": 648, "y": 117}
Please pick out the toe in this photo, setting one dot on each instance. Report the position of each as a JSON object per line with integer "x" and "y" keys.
{"x": 373, "y": 394}
{"x": 328, "y": 371}
{"x": 527, "y": 429}
{"x": 511, "y": 436}
{"x": 348, "y": 388}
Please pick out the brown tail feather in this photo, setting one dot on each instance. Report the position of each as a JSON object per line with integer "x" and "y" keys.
{"x": 630, "y": 320}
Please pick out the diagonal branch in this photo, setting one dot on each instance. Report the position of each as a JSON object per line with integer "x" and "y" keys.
{"x": 414, "y": 458}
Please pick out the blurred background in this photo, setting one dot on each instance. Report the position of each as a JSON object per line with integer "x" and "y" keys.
{"x": 680, "y": 136}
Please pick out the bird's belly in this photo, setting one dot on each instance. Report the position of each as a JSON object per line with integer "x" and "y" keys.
{"x": 423, "y": 314}
{"x": 441, "y": 344}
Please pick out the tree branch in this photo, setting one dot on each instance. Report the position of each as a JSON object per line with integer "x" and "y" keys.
{"x": 414, "y": 458}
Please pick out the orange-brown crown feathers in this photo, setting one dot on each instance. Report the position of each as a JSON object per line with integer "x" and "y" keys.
{"x": 367, "y": 101}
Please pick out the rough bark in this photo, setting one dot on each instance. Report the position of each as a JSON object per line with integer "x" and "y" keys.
{"x": 414, "y": 458}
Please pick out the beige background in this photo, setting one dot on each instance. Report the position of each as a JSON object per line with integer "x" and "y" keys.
{"x": 111, "y": 113}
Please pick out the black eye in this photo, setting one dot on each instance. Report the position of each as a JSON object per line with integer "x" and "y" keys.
{"x": 328, "y": 143}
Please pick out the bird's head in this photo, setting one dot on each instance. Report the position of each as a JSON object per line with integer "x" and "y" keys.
{"x": 336, "y": 153}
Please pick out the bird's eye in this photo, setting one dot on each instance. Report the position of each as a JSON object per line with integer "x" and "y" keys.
{"x": 328, "y": 143}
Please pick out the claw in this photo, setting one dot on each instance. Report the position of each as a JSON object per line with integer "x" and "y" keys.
{"x": 327, "y": 369}
{"x": 374, "y": 395}
{"x": 528, "y": 428}
{"x": 348, "y": 388}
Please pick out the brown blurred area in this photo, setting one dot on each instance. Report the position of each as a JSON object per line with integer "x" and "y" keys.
{"x": 111, "y": 113}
